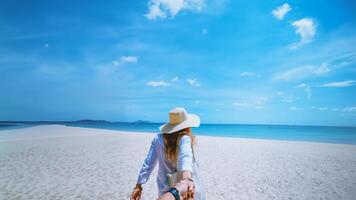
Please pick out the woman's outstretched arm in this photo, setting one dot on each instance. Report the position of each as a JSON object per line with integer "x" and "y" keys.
{"x": 149, "y": 163}
{"x": 146, "y": 170}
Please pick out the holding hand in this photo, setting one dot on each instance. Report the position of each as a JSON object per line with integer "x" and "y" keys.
{"x": 186, "y": 188}
{"x": 183, "y": 190}
{"x": 136, "y": 194}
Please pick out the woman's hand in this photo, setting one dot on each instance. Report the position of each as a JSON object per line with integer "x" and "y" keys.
{"x": 187, "y": 175}
{"x": 136, "y": 194}
{"x": 186, "y": 189}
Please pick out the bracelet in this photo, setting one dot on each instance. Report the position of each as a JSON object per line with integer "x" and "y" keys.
{"x": 138, "y": 187}
{"x": 174, "y": 192}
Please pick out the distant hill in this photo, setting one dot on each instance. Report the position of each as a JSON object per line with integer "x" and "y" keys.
{"x": 78, "y": 121}
{"x": 92, "y": 121}
{"x": 104, "y": 121}
{"x": 141, "y": 122}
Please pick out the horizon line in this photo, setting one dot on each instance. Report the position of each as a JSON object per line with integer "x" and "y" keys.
{"x": 149, "y": 122}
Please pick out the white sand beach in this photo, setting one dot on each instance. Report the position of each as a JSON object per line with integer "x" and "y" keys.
{"x": 60, "y": 162}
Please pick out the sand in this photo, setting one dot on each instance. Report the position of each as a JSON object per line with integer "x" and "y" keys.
{"x": 59, "y": 162}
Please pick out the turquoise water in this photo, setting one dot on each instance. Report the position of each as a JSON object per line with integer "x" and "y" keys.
{"x": 9, "y": 126}
{"x": 346, "y": 135}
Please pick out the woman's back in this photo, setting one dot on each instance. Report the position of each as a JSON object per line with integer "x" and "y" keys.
{"x": 157, "y": 154}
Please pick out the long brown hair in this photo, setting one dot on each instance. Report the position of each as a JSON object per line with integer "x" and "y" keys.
{"x": 171, "y": 143}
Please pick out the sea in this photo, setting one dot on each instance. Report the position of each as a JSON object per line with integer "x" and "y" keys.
{"x": 328, "y": 134}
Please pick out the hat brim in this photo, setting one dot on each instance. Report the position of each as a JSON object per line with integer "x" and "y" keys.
{"x": 191, "y": 121}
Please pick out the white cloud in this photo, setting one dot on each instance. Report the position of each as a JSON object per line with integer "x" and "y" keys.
{"x": 344, "y": 60}
{"x": 349, "y": 109}
{"x": 258, "y": 103}
{"x": 261, "y": 101}
{"x": 125, "y": 59}
{"x": 320, "y": 108}
{"x": 339, "y": 84}
{"x": 302, "y": 85}
{"x": 193, "y": 82}
{"x": 243, "y": 74}
{"x": 293, "y": 108}
{"x": 306, "y": 88}
{"x": 281, "y": 11}
{"x": 323, "y": 108}
{"x": 247, "y": 105}
{"x": 204, "y": 31}
{"x": 306, "y": 29}
{"x": 346, "y": 109}
{"x": 322, "y": 69}
{"x": 164, "y": 8}
{"x": 303, "y": 72}
{"x": 162, "y": 83}
{"x": 128, "y": 59}
{"x": 285, "y": 98}
{"x": 155, "y": 11}
{"x": 157, "y": 84}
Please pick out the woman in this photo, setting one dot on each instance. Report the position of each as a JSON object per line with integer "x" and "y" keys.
{"x": 173, "y": 150}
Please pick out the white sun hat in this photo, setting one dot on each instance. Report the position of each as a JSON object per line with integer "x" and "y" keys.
{"x": 179, "y": 119}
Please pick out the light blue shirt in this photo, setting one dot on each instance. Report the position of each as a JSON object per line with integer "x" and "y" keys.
{"x": 157, "y": 154}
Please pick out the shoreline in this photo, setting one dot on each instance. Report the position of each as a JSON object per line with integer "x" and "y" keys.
{"x": 62, "y": 162}
{"x": 44, "y": 122}
{"x": 197, "y": 134}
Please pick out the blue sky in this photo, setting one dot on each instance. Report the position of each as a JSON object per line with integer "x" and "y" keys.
{"x": 255, "y": 62}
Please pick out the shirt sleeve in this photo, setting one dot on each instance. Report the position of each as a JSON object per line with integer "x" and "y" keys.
{"x": 149, "y": 163}
{"x": 185, "y": 155}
